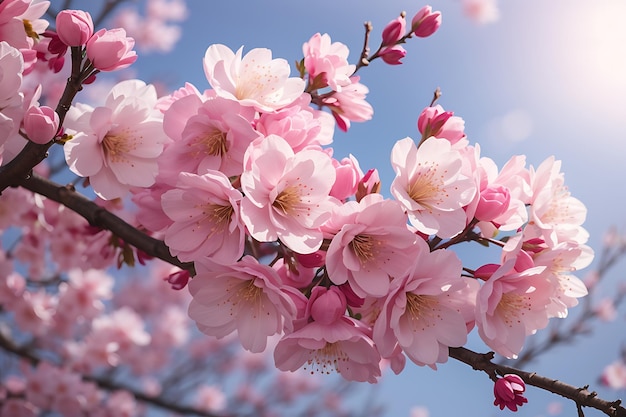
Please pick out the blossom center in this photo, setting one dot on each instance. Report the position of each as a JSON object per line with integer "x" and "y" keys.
{"x": 326, "y": 359}
{"x": 420, "y": 308}
{"x": 215, "y": 143}
{"x": 364, "y": 246}
{"x": 115, "y": 146}
{"x": 288, "y": 200}
{"x": 510, "y": 308}
{"x": 426, "y": 186}
{"x": 219, "y": 217}
{"x": 245, "y": 294}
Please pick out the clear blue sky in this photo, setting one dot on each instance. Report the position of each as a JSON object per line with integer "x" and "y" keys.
{"x": 548, "y": 78}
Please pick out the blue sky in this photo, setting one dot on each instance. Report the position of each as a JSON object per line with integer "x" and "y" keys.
{"x": 548, "y": 78}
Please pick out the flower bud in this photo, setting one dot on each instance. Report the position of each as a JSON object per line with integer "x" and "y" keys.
{"x": 41, "y": 124}
{"x": 392, "y": 54}
{"x": 369, "y": 184}
{"x": 508, "y": 391}
{"x": 435, "y": 121}
{"x": 394, "y": 31}
{"x": 327, "y": 305}
{"x": 74, "y": 27}
{"x": 494, "y": 201}
{"x": 425, "y": 22}
{"x": 110, "y": 50}
{"x": 178, "y": 280}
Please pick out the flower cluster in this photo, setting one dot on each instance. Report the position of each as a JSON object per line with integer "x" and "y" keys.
{"x": 289, "y": 242}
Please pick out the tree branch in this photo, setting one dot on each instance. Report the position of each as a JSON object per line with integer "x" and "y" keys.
{"x": 102, "y": 218}
{"x": 581, "y": 396}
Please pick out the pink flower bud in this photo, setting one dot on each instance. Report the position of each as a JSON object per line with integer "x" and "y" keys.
{"x": 110, "y": 50}
{"x": 348, "y": 175}
{"x": 425, "y": 22}
{"x": 178, "y": 280}
{"x": 369, "y": 184}
{"x": 74, "y": 27}
{"x": 311, "y": 260}
{"x": 392, "y": 54}
{"x": 486, "y": 271}
{"x": 508, "y": 391}
{"x": 394, "y": 31}
{"x": 41, "y": 124}
{"x": 435, "y": 121}
{"x": 493, "y": 202}
{"x": 327, "y": 305}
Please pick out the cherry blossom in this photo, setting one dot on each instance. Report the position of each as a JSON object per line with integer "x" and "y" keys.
{"x": 511, "y": 305}
{"x": 245, "y": 297}
{"x": 205, "y": 214}
{"x": 430, "y": 185}
{"x": 366, "y": 251}
{"x": 254, "y": 80}
{"x": 116, "y": 145}
{"x": 427, "y": 310}
{"x": 287, "y": 194}
{"x": 327, "y": 62}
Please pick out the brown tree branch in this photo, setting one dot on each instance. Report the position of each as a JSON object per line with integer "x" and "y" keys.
{"x": 581, "y": 396}
{"x": 102, "y": 218}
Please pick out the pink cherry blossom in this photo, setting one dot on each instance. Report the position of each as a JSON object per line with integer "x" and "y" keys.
{"x": 509, "y": 392}
{"x": 371, "y": 244}
{"x": 255, "y": 80}
{"x": 512, "y": 305}
{"x": 110, "y": 50}
{"x": 207, "y": 134}
{"x": 287, "y": 194}
{"x": 428, "y": 310}
{"x": 205, "y": 212}
{"x": 299, "y": 124}
{"x": 327, "y": 62}
{"x": 342, "y": 346}
{"x": 430, "y": 185}
{"x": 553, "y": 210}
{"x": 116, "y": 145}
{"x": 349, "y": 105}
{"x": 245, "y": 297}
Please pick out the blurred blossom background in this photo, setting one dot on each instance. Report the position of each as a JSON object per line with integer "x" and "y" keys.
{"x": 530, "y": 77}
